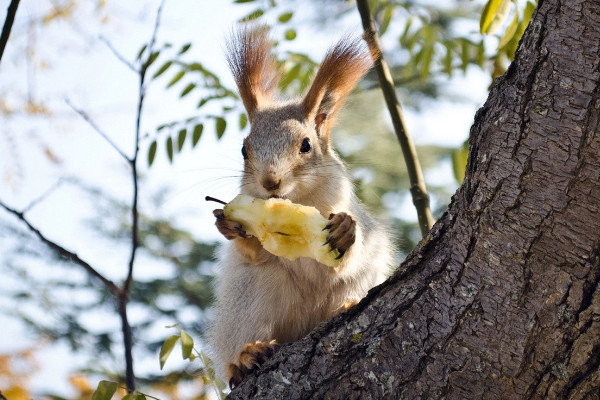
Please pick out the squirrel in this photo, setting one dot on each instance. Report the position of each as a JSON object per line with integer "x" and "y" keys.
{"x": 263, "y": 300}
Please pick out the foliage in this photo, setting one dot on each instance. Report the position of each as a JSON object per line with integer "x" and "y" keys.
{"x": 196, "y": 80}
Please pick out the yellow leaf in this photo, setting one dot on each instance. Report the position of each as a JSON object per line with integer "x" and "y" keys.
{"x": 494, "y": 13}
{"x": 15, "y": 393}
{"x": 510, "y": 31}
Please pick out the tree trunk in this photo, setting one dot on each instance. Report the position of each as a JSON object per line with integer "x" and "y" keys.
{"x": 501, "y": 300}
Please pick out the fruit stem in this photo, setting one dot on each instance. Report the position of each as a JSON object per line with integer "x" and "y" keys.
{"x": 208, "y": 198}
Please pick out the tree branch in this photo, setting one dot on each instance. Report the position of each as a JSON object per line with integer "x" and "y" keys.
{"x": 87, "y": 119}
{"x": 134, "y": 207}
{"x": 8, "y": 23}
{"x": 124, "y": 297}
{"x": 114, "y": 289}
{"x": 417, "y": 183}
{"x": 118, "y": 55}
{"x": 43, "y": 196}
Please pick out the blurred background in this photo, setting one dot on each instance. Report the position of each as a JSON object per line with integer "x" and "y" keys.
{"x": 68, "y": 73}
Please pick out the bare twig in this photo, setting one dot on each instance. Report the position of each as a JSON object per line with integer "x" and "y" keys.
{"x": 8, "y": 23}
{"x": 142, "y": 94}
{"x": 117, "y": 54}
{"x": 87, "y": 119}
{"x": 124, "y": 297}
{"x": 417, "y": 183}
{"x": 43, "y": 196}
{"x": 62, "y": 251}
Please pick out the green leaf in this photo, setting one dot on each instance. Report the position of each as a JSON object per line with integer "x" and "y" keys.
{"x": 243, "y": 121}
{"x": 130, "y": 396}
{"x": 529, "y": 9}
{"x": 221, "y": 124}
{"x": 388, "y": 13}
{"x": 163, "y": 126}
{"x": 152, "y": 153}
{"x": 176, "y": 78}
{"x": 167, "y": 348}
{"x": 140, "y": 396}
{"x": 404, "y": 34}
{"x": 494, "y": 13}
{"x": 141, "y": 52}
{"x": 197, "y": 134}
{"x": 170, "y": 148}
{"x": 427, "y": 51}
{"x": 187, "y": 89}
{"x": 510, "y": 31}
{"x": 187, "y": 345}
{"x": 306, "y": 79}
{"x": 105, "y": 390}
{"x": 181, "y": 139}
{"x": 289, "y": 77}
{"x": 464, "y": 55}
{"x": 459, "y": 161}
{"x": 243, "y": 1}
{"x": 184, "y": 48}
{"x": 290, "y": 34}
{"x": 448, "y": 58}
{"x": 253, "y": 15}
{"x": 481, "y": 54}
{"x": 162, "y": 69}
{"x": 285, "y": 17}
{"x": 203, "y": 101}
{"x": 152, "y": 58}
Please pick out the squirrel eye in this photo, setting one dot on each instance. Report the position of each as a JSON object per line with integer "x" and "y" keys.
{"x": 305, "y": 147}
{"x": 244, "y": 154}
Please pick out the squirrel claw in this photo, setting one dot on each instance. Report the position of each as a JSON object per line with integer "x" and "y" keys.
{"x": 229, "y": 229}
{"x": 249, "y": 359}
{"x": 342, "y": 233}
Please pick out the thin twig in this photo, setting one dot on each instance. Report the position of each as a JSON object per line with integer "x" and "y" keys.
{"x": 43, "y": 196}
{"x": 117, "y": 54}
{"x": 124, "y": 296}
{"x": 8, "y": 23}
{"x": 62, "y": 251}
{"x": 142, "y": 93}
{"x": 417, "y": 183}
{"x": 97, "y": 129}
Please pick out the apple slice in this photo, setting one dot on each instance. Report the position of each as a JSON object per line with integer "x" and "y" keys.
{"x": 285, "y": 229}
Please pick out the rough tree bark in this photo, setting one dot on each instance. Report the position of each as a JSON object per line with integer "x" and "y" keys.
{"x": 502, "y": 299}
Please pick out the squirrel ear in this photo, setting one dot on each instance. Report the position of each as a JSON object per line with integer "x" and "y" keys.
{"x": 343, "y": 66}
{"x": 319, "y": 120}
{"x": 253, "y": 67}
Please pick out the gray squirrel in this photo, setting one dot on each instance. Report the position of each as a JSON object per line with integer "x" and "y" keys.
{"x": 263, "y": 300}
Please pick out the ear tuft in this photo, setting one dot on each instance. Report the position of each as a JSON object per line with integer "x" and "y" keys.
{"x": 253, "y": 67}
{"x": 343, "y": 66}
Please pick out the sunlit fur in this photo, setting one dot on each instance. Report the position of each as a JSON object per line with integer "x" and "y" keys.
{"x": 263, "y": 297}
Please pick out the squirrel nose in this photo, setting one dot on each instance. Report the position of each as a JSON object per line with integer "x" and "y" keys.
{"x": 270, "y": 181}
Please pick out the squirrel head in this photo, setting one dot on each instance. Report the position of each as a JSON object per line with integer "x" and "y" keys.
{"x": 288, "y": 151}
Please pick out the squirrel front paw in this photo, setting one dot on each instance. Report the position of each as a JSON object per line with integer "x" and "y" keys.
{"x": 230, "y": 229}
{"x": 342, "y": 232}
{"x": 249, "y": 359}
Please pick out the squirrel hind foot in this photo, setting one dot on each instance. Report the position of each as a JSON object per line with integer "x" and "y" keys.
{"x": 249, "y": 359}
